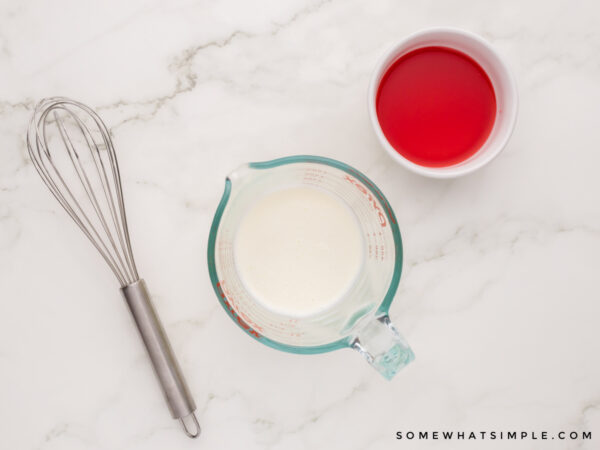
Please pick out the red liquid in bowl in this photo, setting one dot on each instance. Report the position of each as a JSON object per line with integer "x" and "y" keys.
{"x": 436, "y": 106}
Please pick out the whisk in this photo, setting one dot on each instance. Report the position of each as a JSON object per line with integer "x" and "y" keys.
{"x": 72, "y": 150}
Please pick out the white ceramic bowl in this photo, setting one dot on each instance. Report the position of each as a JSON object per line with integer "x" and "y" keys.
{"x": 502, "y": 81}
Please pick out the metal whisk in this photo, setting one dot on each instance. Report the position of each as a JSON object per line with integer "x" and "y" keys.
{"x": 72, "y": 150}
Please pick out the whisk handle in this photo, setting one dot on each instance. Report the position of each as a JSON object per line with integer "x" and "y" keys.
{"x": 178, "y": 397}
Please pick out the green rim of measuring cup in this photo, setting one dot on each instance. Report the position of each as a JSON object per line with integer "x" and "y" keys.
{"x": 212, "y": 238}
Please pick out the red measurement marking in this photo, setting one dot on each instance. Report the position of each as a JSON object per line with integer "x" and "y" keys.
{"x": 380, "y": 196}
{"x": 228, "y": 301}
{"x": 313, "y": 176}
{"x": 370, "y": 198}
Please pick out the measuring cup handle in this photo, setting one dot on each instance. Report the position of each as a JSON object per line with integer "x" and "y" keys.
{"x": 380, "y": 343}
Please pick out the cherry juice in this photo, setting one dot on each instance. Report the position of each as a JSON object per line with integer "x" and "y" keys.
{"x": 436, "y": 106}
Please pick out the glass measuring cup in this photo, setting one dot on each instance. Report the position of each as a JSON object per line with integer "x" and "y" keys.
{"x": 360, "y": 319}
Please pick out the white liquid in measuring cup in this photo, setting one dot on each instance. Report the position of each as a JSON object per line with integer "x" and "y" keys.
{"x": 298, "y": 250}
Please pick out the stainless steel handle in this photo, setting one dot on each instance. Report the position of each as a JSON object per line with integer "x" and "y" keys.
{"x": 178, "y": 397}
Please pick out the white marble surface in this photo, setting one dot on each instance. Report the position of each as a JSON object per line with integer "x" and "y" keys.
{"x": 499, "y": 296}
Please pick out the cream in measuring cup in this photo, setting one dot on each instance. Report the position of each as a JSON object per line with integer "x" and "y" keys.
{"x": 299, "y": 250}
{"x": 305, "y": 255}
